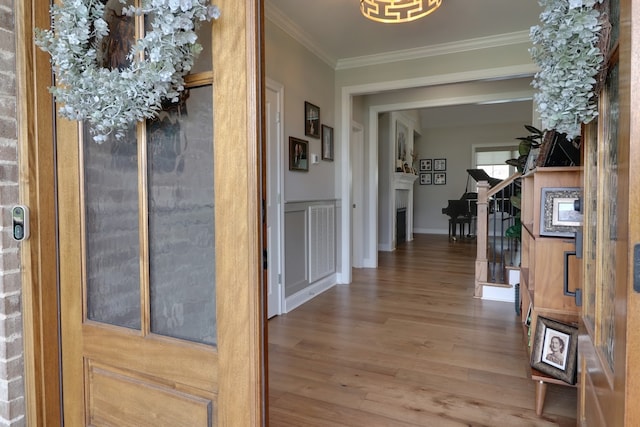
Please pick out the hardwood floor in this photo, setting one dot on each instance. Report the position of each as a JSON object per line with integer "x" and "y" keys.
{"x": 407, "y": 345}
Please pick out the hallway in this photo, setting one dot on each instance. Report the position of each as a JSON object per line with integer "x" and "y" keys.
{"x": 407, "y": 345}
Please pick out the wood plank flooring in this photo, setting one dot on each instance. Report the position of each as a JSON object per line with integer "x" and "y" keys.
{"x": 407, "y": 345}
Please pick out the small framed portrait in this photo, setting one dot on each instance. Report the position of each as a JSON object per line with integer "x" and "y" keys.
{"x": 425, "y": 178}
{"x": 527, "y": 319}
{"x": 532, "y": 158}
{"x": 311, "y": 120}
{"x": 298, "y": 154}
{"x": 425, "y": 165}
{"x": 558, "y": 216}
{"x": 327, "y": 143}
{"x": 439, "y": 178}
{"x": 439, "y": 164}
{"x": 555, "y": 349}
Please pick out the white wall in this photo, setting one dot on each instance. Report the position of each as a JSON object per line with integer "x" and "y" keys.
{"x": 454, "y": 144}
{"x": 305, "y": 78}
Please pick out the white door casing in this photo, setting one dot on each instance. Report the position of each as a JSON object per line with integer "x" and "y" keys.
{"x": 273, "y": 111}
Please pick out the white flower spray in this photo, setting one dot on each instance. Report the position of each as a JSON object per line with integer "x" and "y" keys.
{"x": 111, "y": 100}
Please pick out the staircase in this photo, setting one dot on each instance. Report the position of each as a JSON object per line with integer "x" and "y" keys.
{"x": 498, "y": 256}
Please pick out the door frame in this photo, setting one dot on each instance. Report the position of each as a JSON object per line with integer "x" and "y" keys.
{"x": 37, "y": 188}
{"x": 356, "y": 142}
{"x": 278, "y": 223}
{"x": 241, "y": 371}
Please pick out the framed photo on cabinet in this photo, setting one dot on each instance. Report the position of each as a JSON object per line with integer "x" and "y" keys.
{"x": 555, "y": 349}
{"x": 558, "y": 217}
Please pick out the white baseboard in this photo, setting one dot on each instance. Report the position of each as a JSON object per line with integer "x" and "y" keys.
{"x": 307, "y": 294}
{"x": 369, "y": 263}
{"x": 385, "y": 247}
{"x": 496, "y": 293}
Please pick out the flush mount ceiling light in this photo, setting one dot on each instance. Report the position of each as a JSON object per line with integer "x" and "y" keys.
{"x": 396, "y": 11}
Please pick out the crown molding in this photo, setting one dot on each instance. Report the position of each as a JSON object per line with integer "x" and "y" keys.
{"x": 281, "y": 20}
{"x": 276, "y": 16}
{"x": 435, "y": 50}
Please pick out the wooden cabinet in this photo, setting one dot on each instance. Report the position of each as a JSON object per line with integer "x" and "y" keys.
{"x": 542, "y": 272}
{"x": 544, "y": 262}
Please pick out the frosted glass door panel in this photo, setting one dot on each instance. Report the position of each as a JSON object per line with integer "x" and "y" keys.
{"x": 111, "y": 230}
{"x": 181, "y": 220}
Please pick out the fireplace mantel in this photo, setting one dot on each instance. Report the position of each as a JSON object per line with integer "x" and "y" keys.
{"x": 402, "y": 197}
{"x": 403, "y": 181}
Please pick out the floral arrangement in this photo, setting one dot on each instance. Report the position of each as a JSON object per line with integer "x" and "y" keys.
{"x": 566, "y": 49}
{"x": 111, "y": 99}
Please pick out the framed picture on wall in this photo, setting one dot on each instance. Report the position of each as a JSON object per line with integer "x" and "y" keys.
{"x": 440, "y": 178}
{"x": 298, "y": 154}
{"x": 311, "y": 120}
{"x": 327, "y": 143}
{"x": 425, "y": 178}
{"x": 401, "y": 145}
{"x": 439, "y": 164}
{"x": 425, "y": 165}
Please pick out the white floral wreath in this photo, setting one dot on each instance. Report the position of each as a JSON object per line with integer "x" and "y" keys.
{"x": 111, "y": 100}
{"x": 566, "y": 49}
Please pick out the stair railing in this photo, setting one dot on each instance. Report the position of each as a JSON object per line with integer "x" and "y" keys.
{"x": 495, "y": 251}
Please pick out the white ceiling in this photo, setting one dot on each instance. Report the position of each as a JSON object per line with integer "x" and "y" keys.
{"x": 338, "y": 29}
{"x": 337, "y": 32}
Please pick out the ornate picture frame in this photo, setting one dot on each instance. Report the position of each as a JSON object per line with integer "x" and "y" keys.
{"x": 558, "y": 218}
{"x": 555, "y": 349}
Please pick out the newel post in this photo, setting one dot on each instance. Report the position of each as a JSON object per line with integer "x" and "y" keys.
{"x": 481, "y": 238}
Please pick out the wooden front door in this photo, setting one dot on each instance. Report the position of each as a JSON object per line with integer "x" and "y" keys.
{"x": 609, "y": 343}
{"x": 160, "y": 247}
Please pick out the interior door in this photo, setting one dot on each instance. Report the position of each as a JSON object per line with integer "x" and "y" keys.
{"x": 357, "y": 180}
{"x": 273, "y": 104}
{"x": 609, "y": 336}
{"x": 160, "y": 250}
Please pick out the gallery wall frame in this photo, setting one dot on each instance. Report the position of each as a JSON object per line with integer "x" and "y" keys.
{"x": 439, "y": 178}
{"x": 327, "y": 143}
{"x": 425, "y": 165}
{"x": 439, "y": 164}
{"x": 425, "y": 178}
{"x": 311, "y": 120}
{"x": 298, "y": 154}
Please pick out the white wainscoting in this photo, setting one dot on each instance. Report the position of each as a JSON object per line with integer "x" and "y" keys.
{"x": 322, "y": 241}
{"x": 310, "y": 251}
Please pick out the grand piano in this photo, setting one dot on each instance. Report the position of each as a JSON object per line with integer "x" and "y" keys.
{"x": 462, "y": 212}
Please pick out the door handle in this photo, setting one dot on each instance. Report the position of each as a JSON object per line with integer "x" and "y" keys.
{"x": 577, "y": 294}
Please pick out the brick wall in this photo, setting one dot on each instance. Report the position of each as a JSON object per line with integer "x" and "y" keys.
{"x": 12, "y": 407}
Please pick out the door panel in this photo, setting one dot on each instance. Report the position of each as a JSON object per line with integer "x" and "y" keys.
{"x": 161, "y": 303}
{"x": 609, "y": 337}
{"x": 274, "y": 145}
